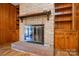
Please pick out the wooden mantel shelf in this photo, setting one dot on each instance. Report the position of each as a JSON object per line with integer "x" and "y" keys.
{"x": 36, "y": 14}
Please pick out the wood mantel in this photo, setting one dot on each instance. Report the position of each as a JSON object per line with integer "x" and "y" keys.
{"x": 36, "y": 14}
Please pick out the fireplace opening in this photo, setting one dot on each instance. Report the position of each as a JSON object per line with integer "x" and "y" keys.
{"x": 34, "y": 34}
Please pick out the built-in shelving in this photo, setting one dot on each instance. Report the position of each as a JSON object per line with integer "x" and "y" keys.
{"x": 62, "y": 7}
{"x": 63, "y": 16}
{"x": 17, "y": 21}
{"x": 66, "y": 26}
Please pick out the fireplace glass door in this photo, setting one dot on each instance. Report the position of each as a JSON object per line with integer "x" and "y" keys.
{"x": 34, "y": 34}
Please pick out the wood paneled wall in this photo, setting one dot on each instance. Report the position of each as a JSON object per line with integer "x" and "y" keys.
{"x": 7, "y": 23}
{"x": 76, "y": 16}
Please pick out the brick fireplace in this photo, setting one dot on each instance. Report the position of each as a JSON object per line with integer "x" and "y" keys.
{"x": 36, "y": 32}
{"x": 41, "y": 20}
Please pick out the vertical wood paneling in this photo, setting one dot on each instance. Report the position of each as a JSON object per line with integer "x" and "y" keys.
{"x": 7, "y": 23}
{"x": 13, "y": 16}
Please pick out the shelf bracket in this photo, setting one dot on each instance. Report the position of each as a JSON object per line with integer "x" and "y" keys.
{"x": 21, "y": 20}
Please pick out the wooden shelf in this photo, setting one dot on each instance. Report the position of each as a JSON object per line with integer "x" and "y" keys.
{"x": 17, "y": 20}
{"x": 45, "y": 12}
{"x": 63, "y": 13}
{"x": 63, "y": 16}
{"x": 64, "y": 10}
{"x": 62, "y": 20}
{"x": 17, "y": 7}
{"x": 64, "y": 7}
{"x": 17, "y": 11}
{"x": 17, "y": 24}
{"x": 63, "y": 25}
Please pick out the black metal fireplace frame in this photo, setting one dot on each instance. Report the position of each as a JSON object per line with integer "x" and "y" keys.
{"x": 42, "y": 34}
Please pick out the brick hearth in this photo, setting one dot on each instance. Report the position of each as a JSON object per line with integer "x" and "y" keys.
{"x": 33, "y": 48}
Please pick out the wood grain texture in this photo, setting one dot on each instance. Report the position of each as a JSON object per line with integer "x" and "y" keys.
{"x": 63, "y": 19}
{"x": 76, "y": 16}
{"x": 66, "y": 40}
{"x": 69, "y": 23}
{"x": 7, "y": 23}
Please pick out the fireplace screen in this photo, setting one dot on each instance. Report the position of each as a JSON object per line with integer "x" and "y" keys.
{"x": 34, "y": 34}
